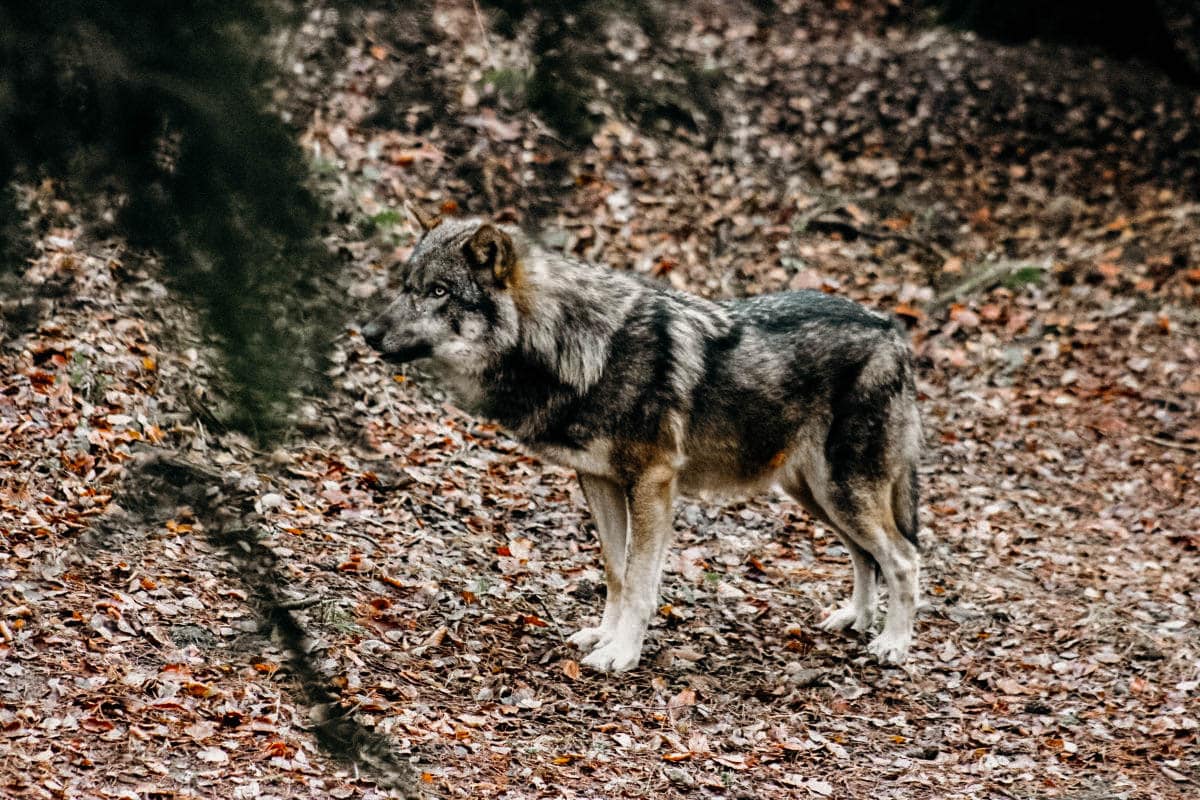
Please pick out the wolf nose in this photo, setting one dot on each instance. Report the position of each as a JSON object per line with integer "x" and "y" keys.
{"x": 373, "y": 335}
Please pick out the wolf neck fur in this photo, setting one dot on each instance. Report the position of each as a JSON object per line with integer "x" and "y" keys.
{"x": 579, "y": 308}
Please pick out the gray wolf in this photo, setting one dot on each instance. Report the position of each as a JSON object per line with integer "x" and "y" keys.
{"x": 647, "y": 392}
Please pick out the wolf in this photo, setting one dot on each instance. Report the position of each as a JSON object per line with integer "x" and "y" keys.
{"x": 647, "y": 392}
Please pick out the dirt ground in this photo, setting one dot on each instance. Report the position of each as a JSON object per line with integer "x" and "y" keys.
{"x": 1033, "y": 213}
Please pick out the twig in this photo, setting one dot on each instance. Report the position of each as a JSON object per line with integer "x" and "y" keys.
{"x": 295, "y": 605}
{"x": 936, "y": 249}
{"x": 982, "y": 279}
{"x": 365, "y": 537}
{"x": 1178, "y": 213}
{"x": 483, "y": 34}
{"x": 1188, "y": 446}
{"x": 867, "y": 233}
{"x": 546, "y": 610}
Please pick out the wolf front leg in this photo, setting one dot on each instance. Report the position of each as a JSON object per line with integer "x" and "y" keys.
{"x": 610, "y": 510}
{"x": 650, "y": 501}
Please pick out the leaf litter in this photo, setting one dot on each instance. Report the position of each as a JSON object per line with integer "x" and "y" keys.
{"x": 437, "y": 569}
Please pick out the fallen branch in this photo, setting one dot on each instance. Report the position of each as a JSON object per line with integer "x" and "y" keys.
{"x": 1171, "y": 443}
{"x": 981, "y": 280}
{"x": 1176, "y": 213}
{"x": 297, "y": 605}
{"x": 843, "y": 226}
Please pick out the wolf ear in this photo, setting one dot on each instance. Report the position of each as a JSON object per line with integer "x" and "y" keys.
{"x": 493, "y": 250}
{"x": 426, "y": 222}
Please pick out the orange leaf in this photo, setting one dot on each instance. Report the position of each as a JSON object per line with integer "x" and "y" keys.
{"x": 279, "y": 749}
{"x": 42, "y": 381}
{"x": 395, "y": 583}
{"x": 663, "y": 266}
{"x": 686, "y": 697}
{"x": 566, "y": 758}
{"x": 856, "y": 213}
{"x": 908, "y": 312}
{"x": 571, "y": 669}
{"x": 677, "y": 756}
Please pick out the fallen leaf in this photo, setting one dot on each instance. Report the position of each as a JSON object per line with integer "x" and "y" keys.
{"x": 213, "y": 755}
{"x": 820, "y": 787}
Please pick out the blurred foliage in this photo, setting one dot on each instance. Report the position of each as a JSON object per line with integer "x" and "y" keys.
{"x": 572, "y": 59}
{"x": 162, "y": 110}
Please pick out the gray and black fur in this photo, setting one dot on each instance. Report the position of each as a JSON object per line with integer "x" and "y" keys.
{"x": 647, "y": 392}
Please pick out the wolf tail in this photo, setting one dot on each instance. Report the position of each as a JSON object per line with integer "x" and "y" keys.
{"x": 905, "y": 496}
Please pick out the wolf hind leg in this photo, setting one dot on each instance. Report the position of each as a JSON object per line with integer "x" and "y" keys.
{"x": 607, "y": 502}
{"x": 870, "y": 521}
{"x": 859, "y": 612}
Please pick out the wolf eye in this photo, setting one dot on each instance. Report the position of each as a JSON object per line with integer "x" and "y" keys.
{"x": 437, "y": 290}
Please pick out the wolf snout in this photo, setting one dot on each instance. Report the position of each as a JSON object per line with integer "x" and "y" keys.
{"x": 372, "y": 334}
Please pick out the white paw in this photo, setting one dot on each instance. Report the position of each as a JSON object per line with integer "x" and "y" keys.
{"x": 890, "y": 648}
{"x": 847, "y": 617}
{"x": 613, "y": 657}
{"x": 589, "y": 638}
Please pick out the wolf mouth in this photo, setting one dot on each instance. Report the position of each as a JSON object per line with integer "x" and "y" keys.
{"x": 411, "y": 353}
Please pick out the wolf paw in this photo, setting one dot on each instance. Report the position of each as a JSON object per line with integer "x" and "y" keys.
{"x": 613, "y": 657}
{"x": 589, "y": 638}
{"x": 890, "y": 648}
{"x": 846, "y": 617}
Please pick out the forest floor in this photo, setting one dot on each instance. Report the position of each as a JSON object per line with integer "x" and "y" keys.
{"x": 1033, "y": 213}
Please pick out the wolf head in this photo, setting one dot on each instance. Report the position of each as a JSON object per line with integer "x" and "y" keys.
{"x": 459, "y": 301}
